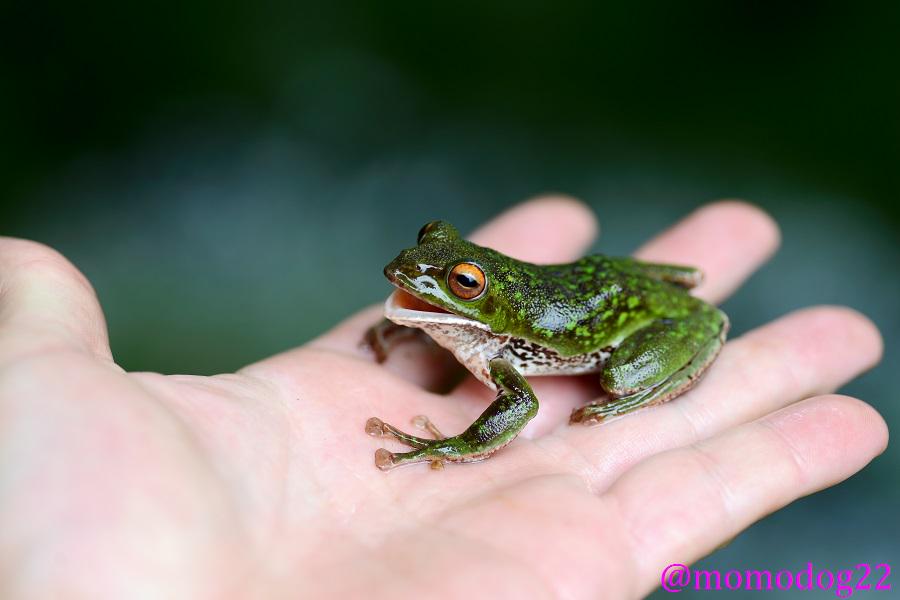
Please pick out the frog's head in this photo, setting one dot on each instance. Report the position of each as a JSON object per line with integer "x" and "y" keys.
{"x": 446, "y": 279}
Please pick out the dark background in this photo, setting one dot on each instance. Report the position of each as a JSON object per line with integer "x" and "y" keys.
{"x": 233, "y": 178}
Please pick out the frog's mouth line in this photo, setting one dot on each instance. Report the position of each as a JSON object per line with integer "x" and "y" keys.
{"x": 404, "y": 308}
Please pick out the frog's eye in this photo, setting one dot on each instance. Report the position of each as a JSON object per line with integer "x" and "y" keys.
{"x": 466, "y": 281}
{"x": 426, "y": 229}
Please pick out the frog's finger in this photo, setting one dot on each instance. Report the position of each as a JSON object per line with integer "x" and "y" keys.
{"x": 46, "y": 303}
{"x": 727, "y": 240}
{"x": 681, "y": 505}
{"x": 808, "y": 352}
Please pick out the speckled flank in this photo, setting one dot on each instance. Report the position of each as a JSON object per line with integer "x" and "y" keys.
{"x": 530, "y": 358}
{"x": 474, "y": 347}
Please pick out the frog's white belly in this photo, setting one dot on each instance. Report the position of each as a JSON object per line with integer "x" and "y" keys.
{"x": 474, "y": 345}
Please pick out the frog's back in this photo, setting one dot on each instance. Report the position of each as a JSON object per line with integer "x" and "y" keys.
{"x": 592, "y": 304}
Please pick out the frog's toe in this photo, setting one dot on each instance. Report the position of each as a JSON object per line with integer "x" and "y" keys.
{"x": 424, "y": 423}
{"x": 596, "y": 413}
{"x": 375, "y": 427}
{"x": 384, "y": 459}
{"x": 378, "y": 428}
{"x": 586, "y": 415}
{"x": 387, "y": 460}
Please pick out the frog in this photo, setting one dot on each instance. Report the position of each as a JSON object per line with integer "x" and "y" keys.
{"x": 633, "y": 323}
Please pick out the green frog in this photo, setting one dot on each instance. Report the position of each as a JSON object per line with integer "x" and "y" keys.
{"x": 634, "y": 323}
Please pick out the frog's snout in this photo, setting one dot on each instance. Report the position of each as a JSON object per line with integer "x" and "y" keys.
{"x": 397, "y": 274}
{"x": 390, "y": 272}
{"x": 401, "y": 267}
{"x": 394, "y": 269}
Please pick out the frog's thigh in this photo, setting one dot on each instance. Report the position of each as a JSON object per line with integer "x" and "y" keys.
{"x": 657, "y": 363}
{"x": 652, "y": 354}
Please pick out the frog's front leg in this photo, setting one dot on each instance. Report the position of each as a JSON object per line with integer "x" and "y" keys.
{"x": 497, "y": 426}
{"x": 382, "y": 337}
{"x": 657, "y": 363}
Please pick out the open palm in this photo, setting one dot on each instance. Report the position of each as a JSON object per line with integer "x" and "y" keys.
{"x": 262, "y": 483}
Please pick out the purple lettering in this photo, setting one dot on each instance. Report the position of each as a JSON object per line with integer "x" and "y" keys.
{"x": 830, "y": 580}
{"x": 887, "y": 571}
{"x": 809, "y": 578}
{"x": 751, "y": 576}
{"x": 790, "y": 580}
{"x": 860, "y": 586}
{"x": 708, "y": 584}
{"x": 845, "y": 578}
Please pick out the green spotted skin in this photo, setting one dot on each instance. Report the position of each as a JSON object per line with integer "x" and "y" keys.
{"x": 652, "y": 339}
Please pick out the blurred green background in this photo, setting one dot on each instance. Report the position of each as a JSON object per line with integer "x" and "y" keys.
{"x": 233, "y": 178}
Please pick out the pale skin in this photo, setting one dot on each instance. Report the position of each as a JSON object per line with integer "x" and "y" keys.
{"x": 261, "y": 483}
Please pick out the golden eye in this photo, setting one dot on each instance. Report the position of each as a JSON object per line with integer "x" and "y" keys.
{"x": 467, "y": 281}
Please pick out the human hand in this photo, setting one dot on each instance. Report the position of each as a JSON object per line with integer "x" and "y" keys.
{"x": 261, "y": 483}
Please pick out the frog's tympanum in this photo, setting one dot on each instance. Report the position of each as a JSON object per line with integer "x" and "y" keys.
{"x": 634, "y": 323}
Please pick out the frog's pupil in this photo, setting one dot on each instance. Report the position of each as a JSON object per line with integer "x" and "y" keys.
{"x": 466, "y": 280}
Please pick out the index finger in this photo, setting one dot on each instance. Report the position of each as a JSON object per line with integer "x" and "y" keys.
{"x": 545, "y": 230}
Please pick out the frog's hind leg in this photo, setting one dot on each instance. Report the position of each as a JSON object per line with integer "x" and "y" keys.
{"x": 636, "y": 376}
{"x": 497, "y": 426}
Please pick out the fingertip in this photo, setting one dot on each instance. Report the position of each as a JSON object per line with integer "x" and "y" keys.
{"x": 547, "y": 228}
{"x": 727, "y": 240}
{"x": 872, "y": 423}
{"x": 747, "y": 220}
{"x": 833, "y": 428}
{"x": 859, "y": 332}
{"x": 832, "y": 328}
{"x": 809, "y": 351}
{"x": 576, "y": 214}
